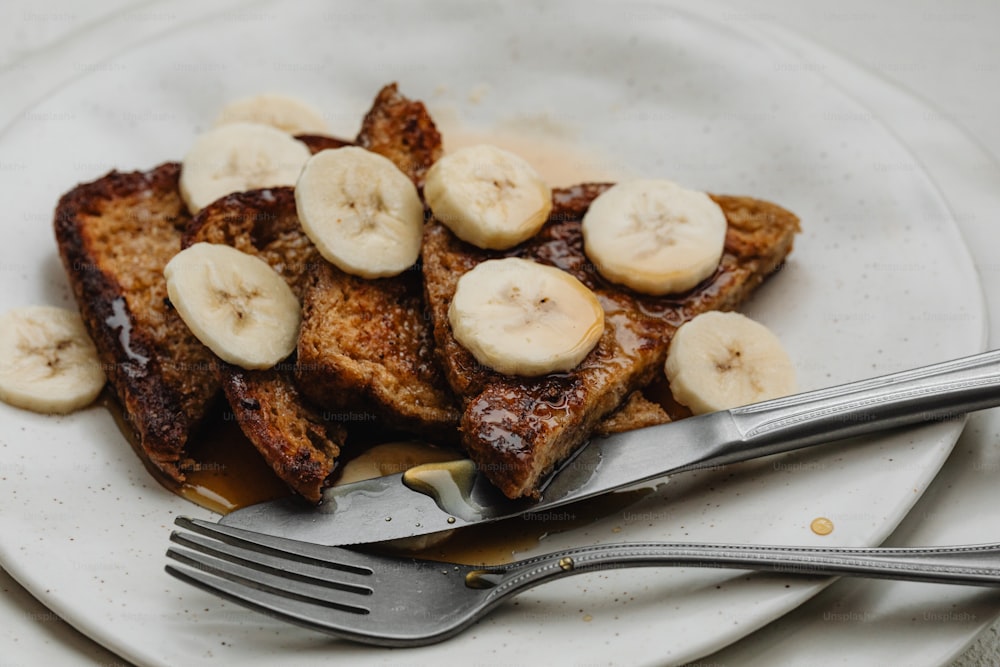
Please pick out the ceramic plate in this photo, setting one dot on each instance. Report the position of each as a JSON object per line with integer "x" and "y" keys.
{"x": 879, "y": 281}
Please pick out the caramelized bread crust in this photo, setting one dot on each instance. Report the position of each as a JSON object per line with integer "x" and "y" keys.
{"x": 295, "y": 440}
{"x": 300, "y": 444}
{"x": 262, "y": 223}
{"x": 363, "y": 344}
{"x": 517, "y": 429}
{"x": 636, "y": 412}
{"x": 115, "y": 235}
{"x": 366, "y": 344}
{"x": 401, "y": 129}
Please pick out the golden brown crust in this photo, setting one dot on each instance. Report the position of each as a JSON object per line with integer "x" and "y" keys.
{"x": 366, "y": 344}
{"x": 296, "y": 441}
{"x": 364, "y": 347}
{"x": 401, "y": 130}
{"x": 299, "y": 444}
{"x": 517, "y": 429}
{"x": 262, "y": 223}
{"x": 115, "y": 235}
{"x": 636, "y": 412}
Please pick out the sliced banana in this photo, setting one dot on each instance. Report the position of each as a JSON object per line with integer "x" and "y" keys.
{"x": 719, "y": 361}
{"x": 519, "y": 317}
{"x": 487, "y": 196}
{"x": 48, "y": 363}
{"x": 654, "y": 236}
{"x": 361, "y": 211}
{"x": 238, "y": 157}
{"x": 289, "y": 114}
{"x": 235, "y": 304}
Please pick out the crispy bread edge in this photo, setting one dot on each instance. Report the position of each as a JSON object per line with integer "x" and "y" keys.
{"x": 151, "y": 407}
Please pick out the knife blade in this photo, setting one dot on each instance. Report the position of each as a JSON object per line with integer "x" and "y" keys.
{"x": 443, "y": 496}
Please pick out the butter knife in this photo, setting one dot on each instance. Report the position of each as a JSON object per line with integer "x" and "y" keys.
{"x": 442, "y": 496}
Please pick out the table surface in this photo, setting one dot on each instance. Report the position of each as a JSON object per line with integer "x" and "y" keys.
{"x": 943, "y": 53}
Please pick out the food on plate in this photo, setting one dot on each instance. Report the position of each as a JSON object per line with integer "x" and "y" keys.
{"x": 299, "y": 444}
{"x": 487, "y": 196}
{"x": 362, "y": 213}
{"x": 234, "y": 303}
{"x": 115, "y": 236}
{"x": 520, "y": 317}
{"x": 517, "y": 429}
{"x": 364, "y": 350}
{"x": 48, "y": 363}
{"x": 654, "y": 236}
{"x": 400, "y": 129}
{"x": 284, "y": 112}
{"x": 378, "y": 352}
{"x": 719, "y": 361}
{"x": 237, "y": 157}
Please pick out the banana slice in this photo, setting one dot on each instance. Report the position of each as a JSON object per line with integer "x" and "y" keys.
{"x": 48, "y": 363}
{"x": 237, "y": 157}
{"x": 723, "y": 360}
{"x": 487, "y": 196}
{"x": 361, "y": 211}
{"x": 523, "y": 318}
{"x": 654, "y": 236}
{"x": 234, "y": 303}
{"x": 288, "y": 114}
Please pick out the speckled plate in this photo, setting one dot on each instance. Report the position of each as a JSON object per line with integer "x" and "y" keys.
{"x": 879, "y": 281}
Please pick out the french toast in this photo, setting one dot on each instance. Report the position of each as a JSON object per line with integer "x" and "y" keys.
{"x": 365, "y": 345}
{"x": 636, "y": 411}
{"x": 364, "y": 348}
{"x": 516, "y": 428}
{"x": 380, "y": 350}
{"x": 299, "y": 444}
{"x": 400, "y": 129}
{"x": 115, "y": 235}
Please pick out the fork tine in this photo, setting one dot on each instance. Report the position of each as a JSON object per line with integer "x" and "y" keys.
{"x": 303, "y": 552}
{"x": 267, "y": 582}
{"x": 317, "y": 574}
{"x": 299, "y": 612}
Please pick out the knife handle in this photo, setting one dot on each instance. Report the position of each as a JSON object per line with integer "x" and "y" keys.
{"x": 940, "y": 392}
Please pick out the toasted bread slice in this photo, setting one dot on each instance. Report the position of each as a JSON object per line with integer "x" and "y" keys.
{"x": 115, "y": 235}
{"x": 300, "y": 444}
{"x": 401, "y": 129}
{"x": 517, "y": 429}
{"x": 349, "y": 362}
{"x": 366, "y": 345}
{"x": 636, "y": 412}
{"x": 297, "y": 441}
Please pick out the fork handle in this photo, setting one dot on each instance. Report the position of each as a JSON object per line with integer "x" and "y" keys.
{"x": 970, "y": 565}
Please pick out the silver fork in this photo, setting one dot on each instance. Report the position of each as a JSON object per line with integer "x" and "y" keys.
{"x": 398, "y": 601}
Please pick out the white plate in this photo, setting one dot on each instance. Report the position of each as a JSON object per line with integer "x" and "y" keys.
{"x": 879, "y": 280}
